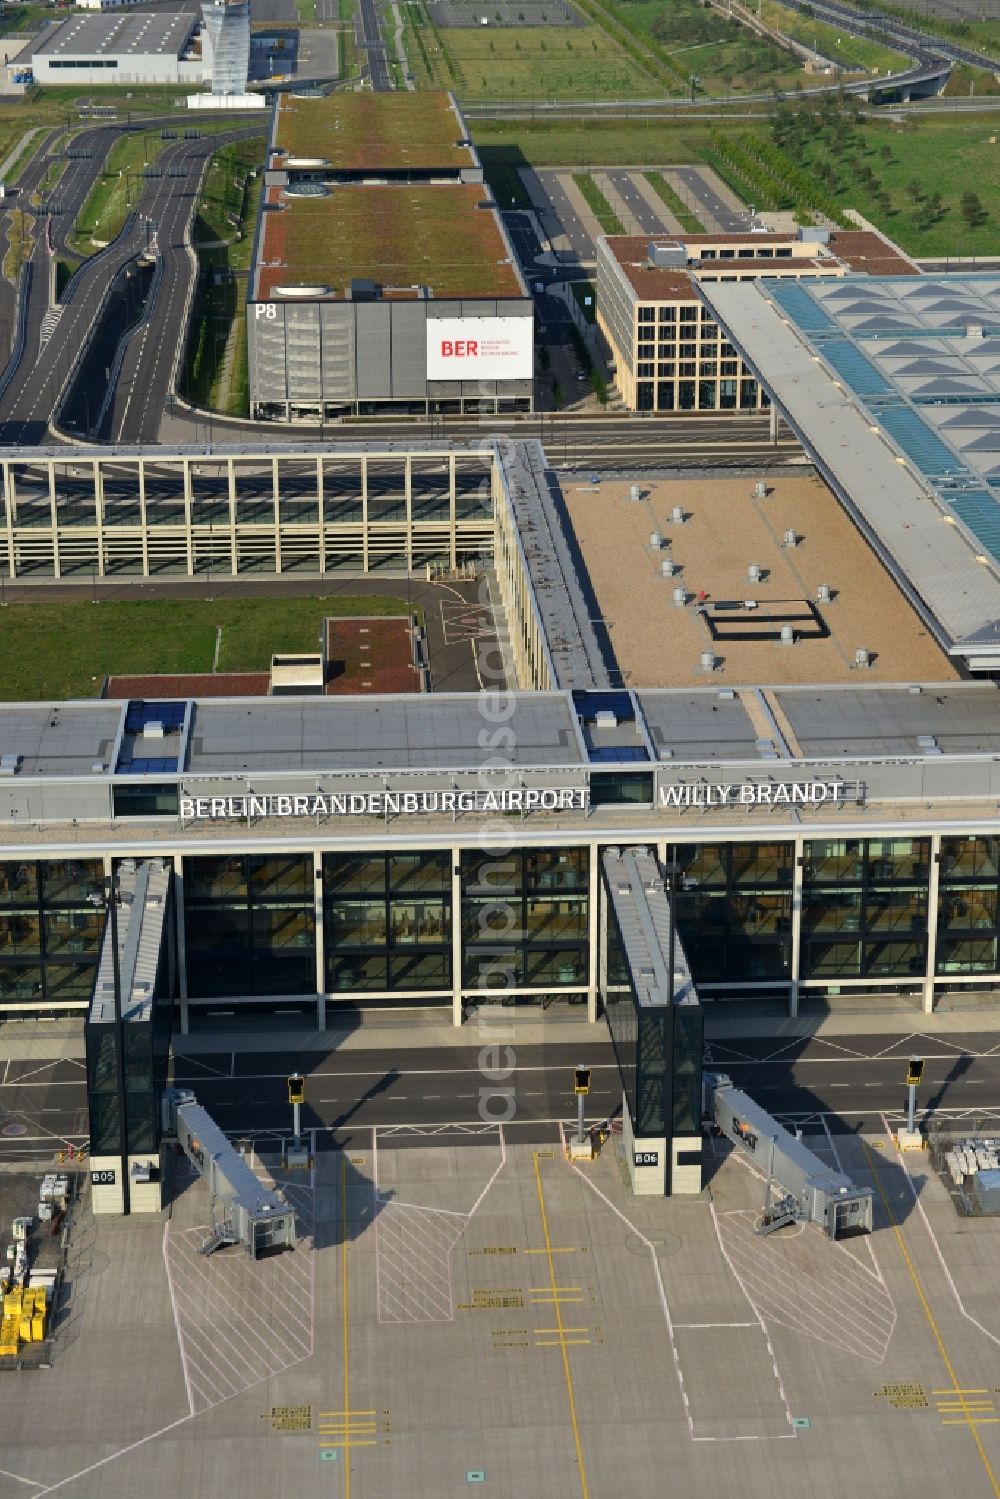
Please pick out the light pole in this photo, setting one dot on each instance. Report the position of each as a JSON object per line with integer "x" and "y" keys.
{"x": 107, "y": 898}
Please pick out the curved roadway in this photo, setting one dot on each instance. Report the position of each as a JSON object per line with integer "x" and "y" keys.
{"x": 33, "y": 397}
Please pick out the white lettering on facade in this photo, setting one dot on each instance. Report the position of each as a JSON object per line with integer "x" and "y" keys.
{"x": 759, "y": 794}
{"x": 384, "y": 803}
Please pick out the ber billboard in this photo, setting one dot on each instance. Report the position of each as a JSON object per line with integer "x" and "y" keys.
{"x": 480, "y": 348}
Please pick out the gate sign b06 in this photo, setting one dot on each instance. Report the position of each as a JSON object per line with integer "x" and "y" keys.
{"x": 480, "y": 348}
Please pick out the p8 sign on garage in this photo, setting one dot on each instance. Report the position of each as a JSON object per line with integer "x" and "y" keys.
{"x": 479, "y": 348}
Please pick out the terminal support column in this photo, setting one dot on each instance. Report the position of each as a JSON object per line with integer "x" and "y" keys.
{"x": 321, "y": 516}
{"x": 932, "y": 922}
{"x": 99, "y": 516}
{"x": 452, "y": 512}
{"x": 276, "y": 499}
{"x": 796, "y": 954}
{"x": 364, "y": 512}
{"x": 593, "y": 928}
{"x": 320, "y": 945}
{"x": 182, "y": 978}
{"x": 456, "y": 936}
{"x": 143, "y": 521}
{"x": 188, "y": 525}
{"x": 54, "y": 522}
{"x": 234, "y": 565}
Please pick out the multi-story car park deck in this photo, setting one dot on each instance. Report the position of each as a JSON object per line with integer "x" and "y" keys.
{"x": 383, "y": 277}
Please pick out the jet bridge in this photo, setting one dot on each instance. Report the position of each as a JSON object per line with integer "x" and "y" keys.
{"x": 812, "y": 1193}
{"x": 248, "y": 1213}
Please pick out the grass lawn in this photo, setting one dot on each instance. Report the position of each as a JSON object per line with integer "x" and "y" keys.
{"x": 723, "y": 55}
{"x": 542, "y": 62}
{"x": 226, "y": 183}
{"x": 598, "y": 143}
{"x": 60, "y": 101}
{"x": 855, "y": 53}
{"x": 222, "y": 308}
{"x": 949, "y": 157}
{"x": 65, "y": 650}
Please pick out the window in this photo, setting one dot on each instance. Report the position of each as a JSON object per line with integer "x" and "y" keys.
{"x": 610, "y": 787}
{"x": 688, "y": 368}
{"x": 727, "y": 254}
{"x": 689, "y": 314}
{"x": 668, "y": 314}
{"x": 664, "y": 396}
{"x": 785, "y": 254}
{"x": 708, "y": 367}
{"x": 728, "y": 367}
{"x": 687, "y": 351}
{"x": 746, "y": 254}
{"x": 647, "y": 315}
{"x": 645, "y": 370}
{"x": 647, "y": 351}
{"x": 145, "y": 801}
{"x": 664, "y": 370}
{"x": 644, "y": 395}
{"x": 708, "y": 254}
{"x": 388, "y": 921}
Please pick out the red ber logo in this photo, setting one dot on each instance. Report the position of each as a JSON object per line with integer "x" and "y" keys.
{"x": 459, "y": 348}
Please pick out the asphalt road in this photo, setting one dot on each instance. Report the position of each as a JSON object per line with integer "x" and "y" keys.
{"x": 370, "y": 39}
{"x": 247, "y": 1092}
{"x": 851, "y": 1079}
{"x": 34, "y": 395}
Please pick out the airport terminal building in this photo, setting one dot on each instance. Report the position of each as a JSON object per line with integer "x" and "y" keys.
{"x": 441, "y": 849}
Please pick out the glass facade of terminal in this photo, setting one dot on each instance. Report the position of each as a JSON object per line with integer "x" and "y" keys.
{"x": 249, "y": 925}
{"x": 387, "y": 922}
{"x": 830, "y": 915}
{"x": 50, "y": 933}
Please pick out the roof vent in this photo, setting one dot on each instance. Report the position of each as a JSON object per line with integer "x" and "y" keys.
{"x": 667, "y": 255}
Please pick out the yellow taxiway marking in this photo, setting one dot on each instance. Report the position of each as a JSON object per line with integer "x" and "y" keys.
{"x": 572, "y": 1249}
{"x": 567, "y": 1375}
{"x": 956, "y": 1386}
{"x": 951, "y": 1393}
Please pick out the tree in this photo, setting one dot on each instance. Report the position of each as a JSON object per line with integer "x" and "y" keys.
{"x": 914, "y": 189}
{"x": 972, "y": 209}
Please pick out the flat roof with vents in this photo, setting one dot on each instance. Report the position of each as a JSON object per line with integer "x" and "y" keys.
{"x": 892, "y": 385}
{"x": 114, "y": 34}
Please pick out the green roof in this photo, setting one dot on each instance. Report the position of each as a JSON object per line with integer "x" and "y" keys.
{"x": 354, "y": 132}
{"x": 400, "y": 236}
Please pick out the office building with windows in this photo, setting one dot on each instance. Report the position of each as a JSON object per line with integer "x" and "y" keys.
{"x": 668, "y": 351}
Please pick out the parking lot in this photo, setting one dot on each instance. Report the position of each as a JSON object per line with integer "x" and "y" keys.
{"x": 460, "y": 1305}
{"x": 573, "y": 229}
